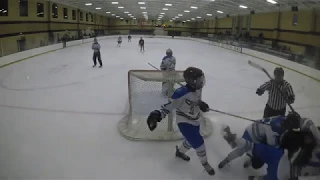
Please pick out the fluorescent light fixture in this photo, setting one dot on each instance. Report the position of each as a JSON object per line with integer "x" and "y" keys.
{"x": 117, "y": 16}
{"x": 121, "y": 18}
{"x": 244, "y": 7}
{"x": 272, "y": 1}
{"x": 108, "y": 12}
{"x": 98, "y": 8}
{"x": 162, "y": 13}
{"x": 199, "y": 17}
{"x": 184, "y": 21}
{"x": 186, "y": 11}
{"x": 88, "y": 4}
{"x": 212, "y": 0}
{"x": 141, "y": 3}
{"x": 168, "y": 4}
{"x": 129, "y": 14}
{"x": 143, "y": 8}
{"x": 165, "y": 9}
{"x": 209, "y": 14}
{"x": 120, "y": 7}
{"x": 114, "y": 3}
{"x": 193, "y": 19}
{"x": 171, "y": 20}
{"x": 177, "y": 17}
{"x": 219, "y": 12}
{"x": 180, "y": 15}
{"x": 144, "y": 12}
{"x": 188, "y": 20}
{"x": 193, "y": 7}
{"x": 112, "y": 14}
{"x": 126, "y": 12}
{"x": 134, "y": 18}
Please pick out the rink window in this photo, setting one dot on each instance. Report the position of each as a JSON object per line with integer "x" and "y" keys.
{"x": 295, "y": 20}
{"x": 87, "y": 17}
{"x": 40, "y": 10}
{"x": 74, "y": 15}
{"x": 65, "y": 13}
{"x": 23, "y": 7}
{"x": 91, "y": 16}
{"x": 81, "y": 16}
{"x": 3, "y": 7}
{"x": 54, "y": 11}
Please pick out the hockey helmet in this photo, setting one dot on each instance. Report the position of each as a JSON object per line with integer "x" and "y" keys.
{"x": 292, "y": 121}
{"x": 194, "y": 78}
{"x": 169, "y": 52}
{"x": 95, "y": 40}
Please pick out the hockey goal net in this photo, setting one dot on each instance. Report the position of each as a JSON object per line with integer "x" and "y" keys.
{"x": 146, "y": 95}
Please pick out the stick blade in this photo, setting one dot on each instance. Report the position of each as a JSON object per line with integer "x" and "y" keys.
{"x": 255, "y": 65}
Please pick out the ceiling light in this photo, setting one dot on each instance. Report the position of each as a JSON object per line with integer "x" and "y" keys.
{"x": 143, "y": 8}
{"x": 126, "y": 12}
{"x": 114, "y": 3}
{"x": 244, "y": 7}
{"x": 134, "y": 18}
{"x": 183, "y": 21}
{"x": 88, "y": 4}
{"x": 171, "y": 20}
{"x": 117, "y": 16}
{"x": 193, "y": 7}
{"x": 198, "y": 17}
{"x": 168, "y": 4}
{"x": 186, "y": 11}
{"x": 120, "y": 7}
{"x": 180, "y": 15}
{"x": 144, "y": 12}
{"x": 162, "y": 13}
{"x": 141, "y": 3}
{"x": 108, "y": 12}
{"x": 272, "y": 1}
{"x": 112, "y": 14}
{"x": 209, "y": 14}
{"x": 121, "y": 18}
{"x": 219, "y": 12}
{"x": 98, "y": 8}
{"x": 129, "y": 14}
{"x": 193, "y": 19}
{"x": 212, "y": 0}
{"x": 188, "y": 20}
{"x": 165, "y": 9}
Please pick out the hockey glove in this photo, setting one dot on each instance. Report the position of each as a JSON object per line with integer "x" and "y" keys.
{"x": 291, "y": 99}
{"x": 259, "y": 92}
{"x": 204, "y": 107}
{"x": 153, "y": 119}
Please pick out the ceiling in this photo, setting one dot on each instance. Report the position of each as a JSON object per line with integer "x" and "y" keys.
{"x": 206, "y": 9}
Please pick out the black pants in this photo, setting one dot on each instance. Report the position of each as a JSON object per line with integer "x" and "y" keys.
{"x": 269, "y": 112}
{"x": 95, "y": 56}
{"x": 141, "y": 47}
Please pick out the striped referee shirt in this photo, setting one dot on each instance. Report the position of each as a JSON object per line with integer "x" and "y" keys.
{"x": 276, "y": 99}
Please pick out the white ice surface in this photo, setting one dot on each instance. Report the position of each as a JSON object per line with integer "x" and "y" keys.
{"x": 59, "y": 116}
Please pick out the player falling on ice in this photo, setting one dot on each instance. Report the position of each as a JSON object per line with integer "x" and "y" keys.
{"x": 119, "y": 41}
{"x": 141, "y": 45}
{"x": 186, "y": 101}
{"x": 168, "y": 63}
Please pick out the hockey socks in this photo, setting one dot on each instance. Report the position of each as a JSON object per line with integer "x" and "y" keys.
{"x": 201, "y": 152}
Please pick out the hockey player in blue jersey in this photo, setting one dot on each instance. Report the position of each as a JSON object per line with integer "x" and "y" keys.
{"x": 266, "y": 131}
{"x": 168, "y": 63}
{"x": 186, "y": 101}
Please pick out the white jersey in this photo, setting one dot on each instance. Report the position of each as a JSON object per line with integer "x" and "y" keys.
{"x": 186, "y": 104}
{"x": 168, "y": 63}
{"x": 266, "y": 131}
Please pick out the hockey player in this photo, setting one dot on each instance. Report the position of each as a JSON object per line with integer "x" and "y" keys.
{"x": 129, "y": 38}
{"x": 295, "y": 150}
{"x": 168, "y": 64}
{"x": 119, "y": 41}
{"x": 266, "y": 131}
{"x": 141, "y": 44}
{"x": 96, "y": 53}
{"x": 188, "y": 105}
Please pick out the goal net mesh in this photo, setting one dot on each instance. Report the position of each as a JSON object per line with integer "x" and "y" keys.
{"x": 146, "y": 95}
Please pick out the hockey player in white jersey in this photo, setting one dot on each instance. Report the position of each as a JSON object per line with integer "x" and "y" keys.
{"x": 119, "y": 41}
{"x": 186, "y": 101}
{"x": 266, "y": 131}
{"x": 168, "y": 64}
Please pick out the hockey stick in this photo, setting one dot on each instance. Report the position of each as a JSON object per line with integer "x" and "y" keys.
{"x": 214, "y": 110}
{"x": 257, "y": 66}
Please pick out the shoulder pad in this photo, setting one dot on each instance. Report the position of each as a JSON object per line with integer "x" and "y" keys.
{"x": 180, "y": 92}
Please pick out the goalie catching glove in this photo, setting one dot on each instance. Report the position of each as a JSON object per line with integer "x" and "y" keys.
{"x": 153, "y": 119}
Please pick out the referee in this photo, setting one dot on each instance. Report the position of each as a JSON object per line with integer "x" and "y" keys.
{"x": 276, "y": 104}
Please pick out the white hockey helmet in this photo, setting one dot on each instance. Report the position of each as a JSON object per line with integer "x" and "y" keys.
{"x": 169, "y": 52}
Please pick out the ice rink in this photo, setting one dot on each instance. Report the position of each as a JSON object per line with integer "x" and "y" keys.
{"x": 59, "y": 115}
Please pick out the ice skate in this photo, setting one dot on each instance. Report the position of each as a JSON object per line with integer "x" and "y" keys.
{"x": 223, "y": 163}
{"x": 229, "y": 137}
{"x": 181, "y": 155}
{"x": 209, "y": 169}
{"x": 94, "y": 66}
{"x": 100, "y": 66}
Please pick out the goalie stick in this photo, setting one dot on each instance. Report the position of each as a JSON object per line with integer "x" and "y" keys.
{"x": 217, "y": 111}
{"x": 257, "y": 66}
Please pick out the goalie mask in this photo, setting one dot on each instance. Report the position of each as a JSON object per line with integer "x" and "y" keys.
{"x": 194, "y": 78}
